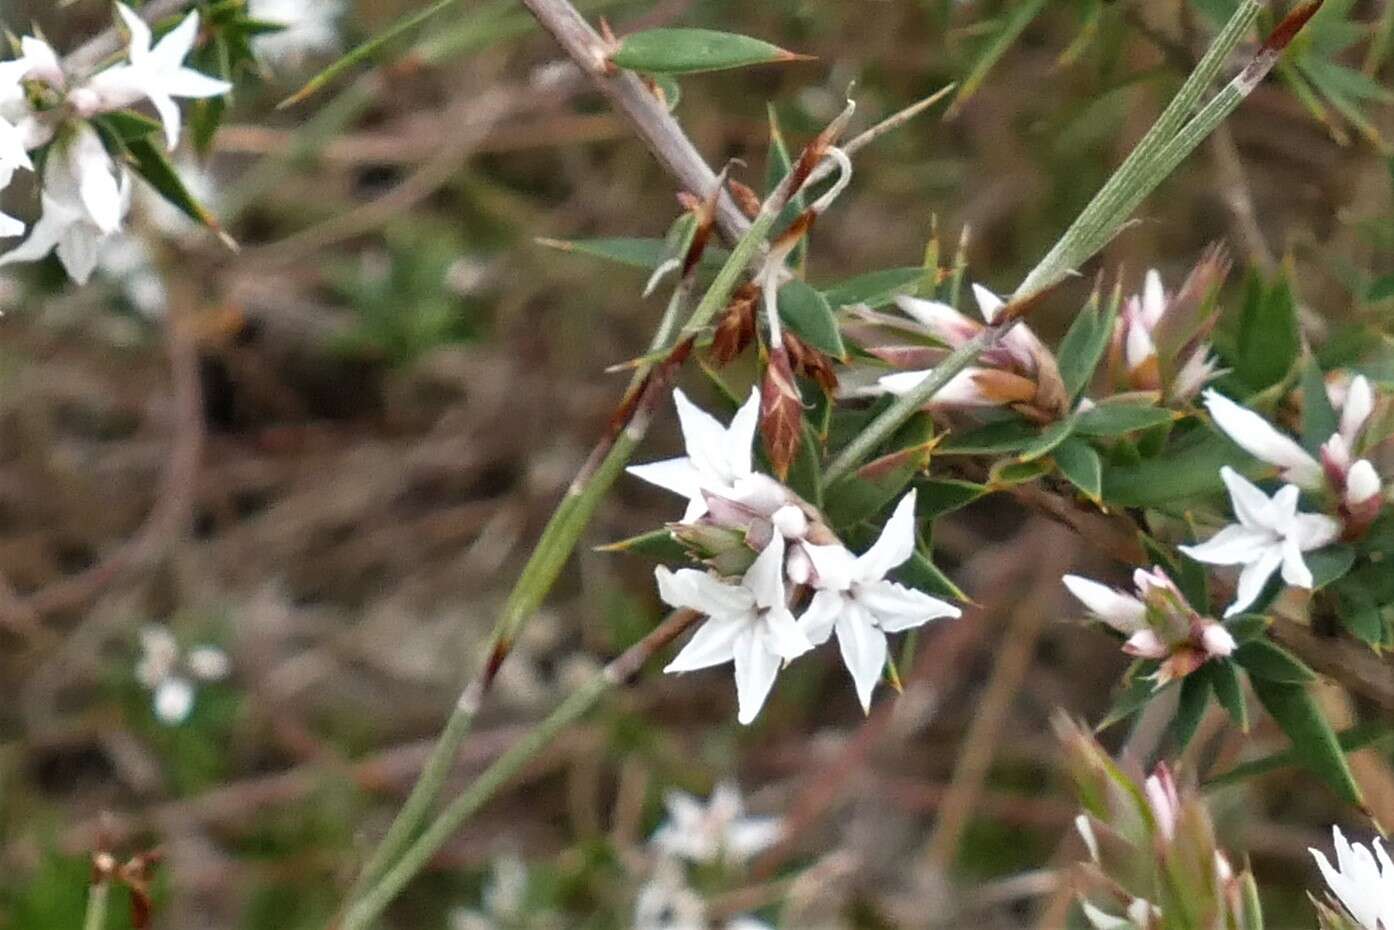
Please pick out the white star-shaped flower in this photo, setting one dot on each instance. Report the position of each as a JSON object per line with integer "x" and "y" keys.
{"x": 1271, "y": 534}
{"x": 1362, "y": 881}
{"x": 152, "y": 72}
{"x": 855, "y": 600}
{"x": 748, "y": 623}
{"x": 718, "y": 459}
{"x": 716, "y": 830}
{"x": 85, "y": 197}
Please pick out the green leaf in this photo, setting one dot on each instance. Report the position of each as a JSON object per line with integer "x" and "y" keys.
{"x": 939, "y": 496}
{"x": 1007, "y": 473}
{"x": 148, "y": 159}
{"x": 1138, "y": 689}
{"x": 874, "y": 289}
{"x": 1265, "y": 659}
{"x": 1084, "y": 345}
{"x": 127, "y": 125}
{"x": 636, "y": 253}
{"x": 368, "y": 50}
{"x": 1229, "y": 691}
{"x": 1190, "y": 707}
{"x": 808, "y": 314}
{"x": 1188, "y": 469}
{"x": 1245, "y": 627}
{"x": 1381, "y": 289}
{"x": 1268, "y": 340}
{"x": 993, "y": 439}
{"x": 687, "y": 51}
{"x": 921, "y": 573}
{"x": 1314, "y": 743}
{"x": 1360, "y": 613}
{"x": 1050, "y": 437}
{"x": 1354, "y": 739}
{"x": 1081, "y": 466}
{"x": 862, "y": 494}
{"x": 1329, "y": 564}
{"x": 1014, "y": 24}
{"x": 1118, "y": 419}
{"x": 655, "y": 544}
{"x": 1319, "y": 418}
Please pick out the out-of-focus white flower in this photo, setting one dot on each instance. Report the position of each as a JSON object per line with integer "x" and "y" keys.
{"x": 746, "y": 922}
{"x": 85, "y": 196}
{"x": 747, "y": 623}
{"x": 1141, "y": 915}
{"x": 718, "y": 457}
{"x": 310, "y": 27}
{"x": 1362, "y": 880}
{"x": 170, "y": 680}
{"x": 717, "y": 830}
{"x": 503, "y": 900}
{"x": 665, "y": 902}
{"x": 1158, "y": 622}
{"x": 1270, "y": 535}
{"x": 152, "y": 72}
{"x": 855, "y": 600}
{"x": 126, "y": 261}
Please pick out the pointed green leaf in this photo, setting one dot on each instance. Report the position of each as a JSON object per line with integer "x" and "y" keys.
{"x": 1084, "y": 346}
{"x": 687, "y": 51}
{"x": 148, "y": 159}
{"x": 1268, "y": 341}
{"x": 1138, "y": 689}
{"x": 940, "y": 496}
{"x": 636, "y": 253}
{"x": 1118, "y": 419}
{"x": 993, "y": 439}
{"x": 1319, "y": 419}
{"x": 655, "y": 544}
{"x": 808, "y": 314}
{"x": 1329, "y": 564}
{"x": 1081, "y": 466}
{"x": 922, "y": 574}
{"x": 1263, "y": 658}
{"x": 1190, "y": 707}
{"x": 875, "y": 288}
{"x": 1050, "y": 437}
{"x": 1229, "y": 691}
{"x": 1188, "y": 469}
{"x": 1314, "y": 743}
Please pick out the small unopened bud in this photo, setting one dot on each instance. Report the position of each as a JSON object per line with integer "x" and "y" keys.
{"x": 1216, "y": 640}
{"x": 1362, "y": 483}
{"x": 798, "y": 566}
{"x": 1164, "y": 801}
{"x": 1146, "y": 644}
{"x": 791, "y": 522}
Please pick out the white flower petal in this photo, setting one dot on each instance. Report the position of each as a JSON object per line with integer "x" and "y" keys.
{"x": 174, "y": 46}
{"x": 138, "y": 47}
{"x": 765, "y": 578}
{"x": 701, "y": 592}
{"x": 1313, "y": 531}
{"x": 740, "y": 436}
{"x": 1295, "y": 570}
{"x": 1253, "y": 577}
{"x": 1233, "y": 545}
{"x": 1262, "y": 440}
{"x": 897, "y": 608}
{"x": 1154, "y": 298}
{"x": 988, "y": 303}
{"x": 712, "y": 644}
{"x": 677, "y": 475}
{"x": 1252, "y": 507}
{"x": 1123, "y": 612}
{"x": 894, "y": 546}
{"x": 1362, "y": 483}
{"x": 835, "y": 566}
{"x": 174, "y": 699}
{"x": 783, "y": 636}
{"x": 863, "y": 649}
{"x": 821, "y": 614}
{"x": 756, "y": 669}
{"x": 942, "y": 321}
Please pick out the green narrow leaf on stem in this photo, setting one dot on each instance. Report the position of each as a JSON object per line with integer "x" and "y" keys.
{"x": 689, "y": 51}
{"x": 1314, "y": 743}
{"x": 1081, "y": 466}
{"x": 1021, "y": 15}
{"x": 366, "y": 51}
{"x": 1190, "y": 707}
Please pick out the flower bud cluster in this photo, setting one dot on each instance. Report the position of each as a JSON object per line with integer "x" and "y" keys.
{"x": 1158, "y": 622}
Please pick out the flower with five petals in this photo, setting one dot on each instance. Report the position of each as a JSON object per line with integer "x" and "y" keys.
{"x": 747, "y": 623}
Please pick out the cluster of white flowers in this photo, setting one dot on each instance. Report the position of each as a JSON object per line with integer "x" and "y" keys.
{"x": 86, "y": 193}
{"x": 1157, "y": 621}
{"x": 1271, "y": 533}
{"x": 170, "y": 674}
{"x": 750, "y": 620}
{"x": 717, "y": 832}
{"x": 1361, "y": 882}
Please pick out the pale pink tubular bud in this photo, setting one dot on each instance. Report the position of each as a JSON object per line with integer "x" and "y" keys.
{"x": 1355, "y": 412}
{"x": 1164, "y": 801}
{"x": 1146, "y": 644}
{"x": 1124, "y": 613}
{"x": 940, "y": 320}
{"x": 1216, "y": 640}
{"x": 1362, "y": 484}
{"x": 1197, "y": 371}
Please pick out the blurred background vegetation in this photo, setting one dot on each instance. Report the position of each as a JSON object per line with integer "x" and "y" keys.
{"x": 329, "y": 452}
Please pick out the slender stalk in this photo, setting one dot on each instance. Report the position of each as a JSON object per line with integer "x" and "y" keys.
{"x": 1103, "y": 211}
{"x": 367, "y": 909}
{"x": 98, "y": 897}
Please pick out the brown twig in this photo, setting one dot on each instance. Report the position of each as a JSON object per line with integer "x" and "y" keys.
{"x": 648, "y": 115}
